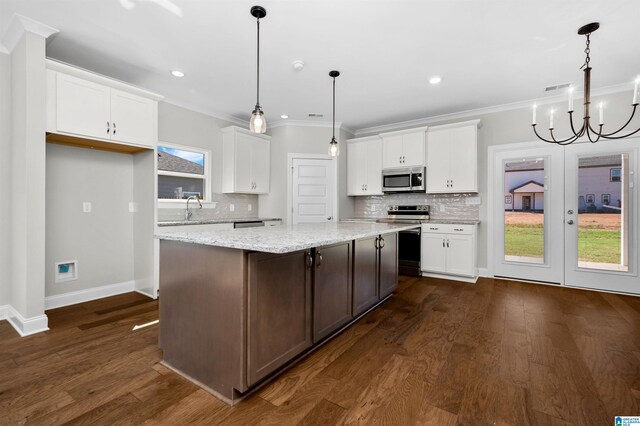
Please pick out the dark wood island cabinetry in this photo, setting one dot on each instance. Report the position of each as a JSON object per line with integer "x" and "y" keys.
{"x": 231, "y": 318}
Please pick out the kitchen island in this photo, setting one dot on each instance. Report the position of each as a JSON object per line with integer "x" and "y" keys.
{"x": 238, "y": 306}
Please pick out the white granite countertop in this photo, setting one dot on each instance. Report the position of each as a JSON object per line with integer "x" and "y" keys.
{"x": 211, "y": 221}
{"x": 285, "y": 239}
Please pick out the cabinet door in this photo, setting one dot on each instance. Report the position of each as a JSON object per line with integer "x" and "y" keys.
{"x": 413, "y": 149}
{"x": 132, "y": 118}
{"x": 260, "y": 158}
{"x": 372, "y": 157}
{"x": 279, "y": 311}
{"x": 242, "y": 163}
{"x": 388, "y": 264}
{"x": 365, "y": 274}
{"x": 464, "y": 159}
{"x": 438, "y": 160}
{"x": 433, "y": 252}
{"x": 355, "y": 166}
{"x": 82, "y": 107}
{"x": 460, "y": 255}
{"x": 391, "y": 151}
{"x": 331, "y": 289}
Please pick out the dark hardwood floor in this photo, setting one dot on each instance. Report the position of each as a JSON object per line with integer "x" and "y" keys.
{"x": 439, "y": 352}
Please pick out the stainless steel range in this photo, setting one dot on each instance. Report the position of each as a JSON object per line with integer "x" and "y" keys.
{"x": 409, "y": 242}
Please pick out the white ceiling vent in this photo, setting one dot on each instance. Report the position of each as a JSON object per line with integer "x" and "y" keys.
{"x": 315, "y": 115}
{"x": 557, "y": 87}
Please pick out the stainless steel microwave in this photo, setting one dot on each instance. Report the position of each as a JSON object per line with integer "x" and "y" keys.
{"x": 406, "y": 179}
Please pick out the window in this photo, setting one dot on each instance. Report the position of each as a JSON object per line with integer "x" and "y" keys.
{"x": 591, "y": 198}
{"x": 614, "y": 175}
{"x": 606, "y": 199}
{"x": 182, "y": 172}
{"x": 508, "y": 199}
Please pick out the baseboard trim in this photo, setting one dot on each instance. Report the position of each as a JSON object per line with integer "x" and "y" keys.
{"x": 484, "y": 272}
{"x": 24, "y": 326}
{"x": 451, "y": 277}
{"x": 71, "y": 298}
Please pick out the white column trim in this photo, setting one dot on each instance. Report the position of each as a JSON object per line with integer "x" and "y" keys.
{"x": 24, "y": 326}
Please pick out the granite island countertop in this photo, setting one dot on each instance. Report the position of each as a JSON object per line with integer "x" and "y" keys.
{"x": 432, "y": 220}
{"x": 288, "y": 238}
{"x": 213, "y": 221}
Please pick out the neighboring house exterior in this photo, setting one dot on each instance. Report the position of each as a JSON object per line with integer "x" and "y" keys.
{"x": 179, "y": 187}
{"x": 599, "y": 185}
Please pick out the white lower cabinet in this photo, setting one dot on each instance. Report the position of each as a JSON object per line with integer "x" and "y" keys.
{"x": 449, "y": 250}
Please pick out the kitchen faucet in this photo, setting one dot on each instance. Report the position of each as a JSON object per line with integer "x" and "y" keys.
{"x": 187, "y": 212}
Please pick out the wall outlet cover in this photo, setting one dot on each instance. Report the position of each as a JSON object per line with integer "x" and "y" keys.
{"x": 472, "y": 201}
{"x": 133, "y": 207}
{"x": 86, "y": 207}
{"x": 442, "y": 207}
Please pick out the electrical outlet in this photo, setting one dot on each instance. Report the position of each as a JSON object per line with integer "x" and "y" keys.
{"x": 86, "y": 207}
{"x": 472, "y": 201}
{"x": 442, "y": 207}
{"x": 248, "y": 207}
{"x": 232, "y": 207}
{"x": 133, "y": 207}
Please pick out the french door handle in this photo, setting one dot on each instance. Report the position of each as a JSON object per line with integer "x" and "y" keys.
{"x": 569, "y": 211}
{"x": 570, "y": 222}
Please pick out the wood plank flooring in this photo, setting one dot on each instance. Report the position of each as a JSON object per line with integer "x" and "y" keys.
{"x": 439, "y": 352}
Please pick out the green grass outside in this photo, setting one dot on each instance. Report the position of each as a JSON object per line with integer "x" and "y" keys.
{"x": 595, "y": 245}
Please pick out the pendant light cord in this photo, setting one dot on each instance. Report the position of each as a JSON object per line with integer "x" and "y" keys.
{"x": 334, "y": 108}
{"x": 258, "y": 67}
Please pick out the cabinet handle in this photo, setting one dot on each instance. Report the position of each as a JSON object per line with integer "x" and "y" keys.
{"x": 308, "y": 260}
{"x": 434, "y": 229}
{"x": 381, "y": 243}
{"x": 375, "y": 243}
{"x": 108, "y": 127}
{"x": 442, "y": 243}
{"x": 447, "y": 243}
{"x": 114, "y": 128}
{"x": 319, "y": 262}
{"x": 458, "y": 229}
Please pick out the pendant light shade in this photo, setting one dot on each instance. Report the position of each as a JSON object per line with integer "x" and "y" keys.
{"x": 334, "y": 149}
{"x": 258, "y": 123}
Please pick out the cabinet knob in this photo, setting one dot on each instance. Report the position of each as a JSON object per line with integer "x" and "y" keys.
{"x": 308, "y": 260}
{"x": 381, "y": 243}
{"x": 330, "y": 217}
{"x": 319, "y": 262}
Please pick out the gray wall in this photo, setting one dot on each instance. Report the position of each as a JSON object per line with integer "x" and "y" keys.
{"x": 101, "y": 241}
{"x": 302, "y": 140}
{"x": 5, "y": 175}
{"x": 514, "y": 126}
{"x": 181, "y": 126}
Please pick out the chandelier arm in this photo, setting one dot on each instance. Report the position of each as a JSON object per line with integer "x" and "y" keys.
{"x": 607, "y": 135}
{"x": 573, "y": 129}
{"x": 540, "y": 137}
{"x": 566, "y": 141}
{"x": 590, "y": 130}
{"x": 623, "y": 136}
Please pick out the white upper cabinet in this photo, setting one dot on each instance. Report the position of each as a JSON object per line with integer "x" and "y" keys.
{"x": 86, "y": 105}
{"x": 245, "y": 161}
{"x": 403, "y": 148}
{"x": 452, "y": 158}
{"x": 364, "y": 166}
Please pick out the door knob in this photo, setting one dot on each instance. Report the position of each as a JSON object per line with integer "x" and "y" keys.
{"x": 570, "y": 222}
{"x": 330, "y": 217}
{"x": 570, "y": 212}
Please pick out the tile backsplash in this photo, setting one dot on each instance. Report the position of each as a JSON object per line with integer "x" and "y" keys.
{"x": 443, "y": 206}
{"x": 220, "y": 210}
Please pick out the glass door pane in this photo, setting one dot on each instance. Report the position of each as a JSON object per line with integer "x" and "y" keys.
{"x": 603, "y": 241}
{"x": 524, "y": 211}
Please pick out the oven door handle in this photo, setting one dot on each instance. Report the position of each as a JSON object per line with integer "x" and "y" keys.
{"x": 411, "y": 231}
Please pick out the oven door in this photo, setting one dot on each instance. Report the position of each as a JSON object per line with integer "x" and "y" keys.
{"x": 409, "y": 245}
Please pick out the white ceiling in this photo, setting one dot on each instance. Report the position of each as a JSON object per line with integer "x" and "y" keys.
{"x": 489, "y": 52}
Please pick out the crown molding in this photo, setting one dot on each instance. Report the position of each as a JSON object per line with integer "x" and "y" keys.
{"x": 608, "y": 90}
{"x": 18, "y": 26}
{"x": 309, "y": 123}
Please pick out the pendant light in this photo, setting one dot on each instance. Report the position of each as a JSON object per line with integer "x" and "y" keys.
{"x": 257, "y": 123}
{"x": 334, "y": 150}
{"x": 586, "y": 129}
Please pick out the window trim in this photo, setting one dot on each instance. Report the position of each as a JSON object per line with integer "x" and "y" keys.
{"x": 593, "y": 198}
{"x": 611, "y": 174}
{"x": 509, "y": 198}
{"x": 602, "y": 198}
{"x": 206, "y": 176}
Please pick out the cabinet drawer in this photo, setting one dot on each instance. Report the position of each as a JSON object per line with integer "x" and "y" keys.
{"x": 447, "y": 228}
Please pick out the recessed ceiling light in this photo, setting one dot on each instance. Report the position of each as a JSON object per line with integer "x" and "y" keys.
{"x": 177, "y": 73}
{"x": 435, "y": 79}
{"x": 284, "y": 116}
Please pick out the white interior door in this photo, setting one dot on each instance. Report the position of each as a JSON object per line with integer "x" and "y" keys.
{"x": 601, "y": 215}
{"x": 528, "y": 189}
{"x": 313, "y": 186}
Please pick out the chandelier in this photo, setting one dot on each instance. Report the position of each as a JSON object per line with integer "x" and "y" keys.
{"x": 587, "y": 129}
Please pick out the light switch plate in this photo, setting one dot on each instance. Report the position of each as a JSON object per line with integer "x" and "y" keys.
{"x": 472, "y": 201}
{"x": 232, "y": 207}
{"x": 86, "y": 207}
{"x": 133, "y": 207}
{"x": 442, "y": 207}
{"x": 249, "y": 207}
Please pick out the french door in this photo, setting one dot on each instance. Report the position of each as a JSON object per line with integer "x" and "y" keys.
{"x": 567, "y": 215}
